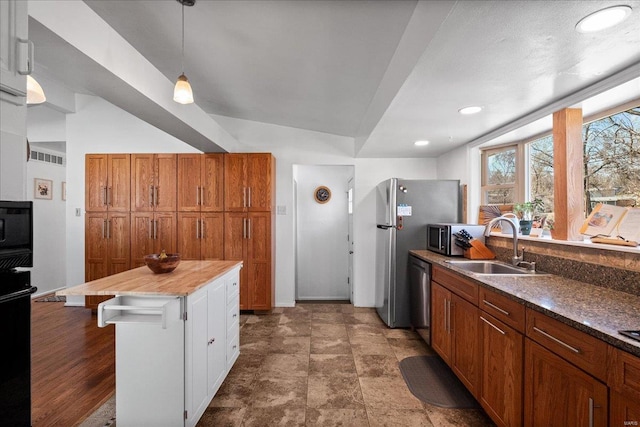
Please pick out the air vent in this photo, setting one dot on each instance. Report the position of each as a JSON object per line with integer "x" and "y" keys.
{"x": 41, "y": 156}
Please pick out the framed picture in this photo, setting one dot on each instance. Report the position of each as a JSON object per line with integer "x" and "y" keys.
{"x": 42, "y": 189}
{"x": 64, "y": 190}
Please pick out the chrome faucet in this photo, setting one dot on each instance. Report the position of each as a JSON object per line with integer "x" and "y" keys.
{"x": 516, "y": 258}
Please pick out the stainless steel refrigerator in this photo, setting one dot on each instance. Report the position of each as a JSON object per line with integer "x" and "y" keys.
{"x": 404, "y": 208}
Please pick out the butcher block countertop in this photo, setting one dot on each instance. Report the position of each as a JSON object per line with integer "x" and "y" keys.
{"x": 187, "y": 278}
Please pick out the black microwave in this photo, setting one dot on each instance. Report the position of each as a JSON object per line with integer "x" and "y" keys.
{"x": 16, "y": 234}
{"x": 441, "y": 239}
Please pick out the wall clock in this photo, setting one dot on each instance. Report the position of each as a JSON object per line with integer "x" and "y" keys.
{"x": 322, "y": 194}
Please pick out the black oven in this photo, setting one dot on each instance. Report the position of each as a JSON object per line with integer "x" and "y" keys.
{"x": 16, "y": 234}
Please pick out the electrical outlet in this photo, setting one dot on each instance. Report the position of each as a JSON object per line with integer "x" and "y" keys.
{"x": 78, "y": 212}
{"x": 282, "y": 210}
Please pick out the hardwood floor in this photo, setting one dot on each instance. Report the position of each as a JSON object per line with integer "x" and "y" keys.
{"x": 72, "y": 364}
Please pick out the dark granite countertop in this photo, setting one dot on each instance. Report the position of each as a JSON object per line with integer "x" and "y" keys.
{"x": 596, "y": 310}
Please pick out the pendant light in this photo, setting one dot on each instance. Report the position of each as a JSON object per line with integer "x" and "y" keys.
{"x": 182, "y": 93}
{"x": 35, "y": 94}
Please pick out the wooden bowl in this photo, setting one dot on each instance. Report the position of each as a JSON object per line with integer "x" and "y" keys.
{"x": 165, "y": 265}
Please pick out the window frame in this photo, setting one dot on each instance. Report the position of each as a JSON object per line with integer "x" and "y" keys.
{"x": 520, "y": 176}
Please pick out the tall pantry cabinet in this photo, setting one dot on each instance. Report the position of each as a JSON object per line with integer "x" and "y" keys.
{"x": 249, "y": 225}
{"x": 107, "y": 222}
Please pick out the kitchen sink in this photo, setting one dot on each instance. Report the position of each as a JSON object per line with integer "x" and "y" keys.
{"x": 491, "y": 267}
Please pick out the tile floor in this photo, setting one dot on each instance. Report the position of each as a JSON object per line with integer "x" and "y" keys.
{"x": 325, "y": 365}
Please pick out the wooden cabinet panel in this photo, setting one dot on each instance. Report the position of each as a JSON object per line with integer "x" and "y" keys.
{"x": 502, "y": 365}
{"x": 201, "y": 235}
{"x": 502, "y": 308}
{"x": 584, "y": 351}
{"x": 119, "y": 237}
{"x": 559, "y": 394}
{"x": 259, "y": 260}
{"x": 107, "y": 182}
{"x": 153, "y": 182}
{"x": 624, "y": 380}
{"x": 189, "y": 190}
{"x": 212, "y": 242}
{"x": 457, "y": 284}
{"x": 465, "y": 344}
{"x": 235, "y": 248}
{"x": 151, "y": 233}
{"x": 249, "y": 182}
{"x": 440, "y": 331}
{"x": 165, "y": 173}
{"x": 200, "y": 182}
{"x": 212, "y": 182}
{"x": 96, "y": 246}
{"x": 95, "y": 190}
{"x": 235, "y": 172}
{"x": 260, "y": 181}
{"x": 142, "y": 182}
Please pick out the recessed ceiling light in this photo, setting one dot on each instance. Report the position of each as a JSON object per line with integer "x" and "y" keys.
{"x": 421, "y": 143}
{"x": 470, "y": 110}
{"x": 604, "y": 18}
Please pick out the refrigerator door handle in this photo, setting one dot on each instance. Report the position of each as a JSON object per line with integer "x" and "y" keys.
{"x": 385, "y": 226}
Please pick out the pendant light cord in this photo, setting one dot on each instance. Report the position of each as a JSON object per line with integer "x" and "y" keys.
{"x": 182, "y": 37}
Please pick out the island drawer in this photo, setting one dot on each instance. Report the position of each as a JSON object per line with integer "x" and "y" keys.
{"x": 233, "y": 287}
{"x": 233, "y": 316}
{"x": 579, "y": 348}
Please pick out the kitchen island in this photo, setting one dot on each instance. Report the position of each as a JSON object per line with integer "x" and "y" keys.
{"x": 177, "y": 337}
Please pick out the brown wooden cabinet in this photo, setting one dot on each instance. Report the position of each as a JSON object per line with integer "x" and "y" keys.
{"x": 107, "y": 182}
{"x": 153, "y": 182}
{"x": 624, "y": 381}
{"x": 455, "y": 336}
{"x": 502, "y": 363}
{"x": 107, "y": 248}
{"x": 559, "y": 394}
{"x": 248, "y": 237}
{"x": 249, "y": 182}
{"x": 151, "y": 233}
{"x": 200, "y": 182}
{"x": 201, "y": 235}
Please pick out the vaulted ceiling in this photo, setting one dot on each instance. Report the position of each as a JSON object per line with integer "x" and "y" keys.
{"x": 384, "y": 72}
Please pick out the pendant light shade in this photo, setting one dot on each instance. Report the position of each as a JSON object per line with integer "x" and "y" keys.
{"x": 35, "y": 94}
{"x": 182, "y": 93}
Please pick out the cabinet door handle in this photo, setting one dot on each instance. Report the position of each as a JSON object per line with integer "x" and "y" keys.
{"x": 492, "y": 325}
{"x": 211, "y": 341}
{"x": 151, "y": 195}
{"x": 109, "y": 196}
{"x": 108, "y": 229}
{"x": 198, "y": 196}
{"x": 103, "y": 190}
{"x": 202, "y": 228}
{"x": 249, "y": 228}
{"x": 150, "y": 230}
{"x": 202, "y": 195}
{"x": 562, "y": 343}
{"x": 590, "y": 412}
{"x": 155, "y": 229}
{"x": 156, "y": 198}
{"x": 249, "y": 191}
{"x": 197, "y": 228}
{"x": 29, "y": 44}
{"x": 505, "y": 312}
{"x": 244, "y": 228}
{"x": 104, "y": 226}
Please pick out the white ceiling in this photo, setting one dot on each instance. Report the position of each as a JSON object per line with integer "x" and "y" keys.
{"x": 385, "y": 72}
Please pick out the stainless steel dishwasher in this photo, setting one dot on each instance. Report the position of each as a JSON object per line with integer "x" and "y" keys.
{"x": 420, "y": 295}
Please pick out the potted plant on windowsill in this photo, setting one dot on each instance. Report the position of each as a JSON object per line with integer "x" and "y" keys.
{"x": 525, "y": 212}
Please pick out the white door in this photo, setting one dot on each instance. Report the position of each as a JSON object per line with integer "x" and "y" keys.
{"x": 350, "y": 238}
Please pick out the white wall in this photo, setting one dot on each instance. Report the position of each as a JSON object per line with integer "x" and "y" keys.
{"x": 321, "y": 232}
{"x": 49, "y": 228}
{"x": 464, "y": 164}
{"x": 45, "y": 124}
{"x": 100, "y": 127}
{"x": 296, "y": 146}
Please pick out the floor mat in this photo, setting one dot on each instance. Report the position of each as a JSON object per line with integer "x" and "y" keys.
{"x": 433, "y": 382}
{"x": 51, "y": 298}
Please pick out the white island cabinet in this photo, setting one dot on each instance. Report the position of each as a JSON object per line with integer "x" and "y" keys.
{"x": 176, "y": 338}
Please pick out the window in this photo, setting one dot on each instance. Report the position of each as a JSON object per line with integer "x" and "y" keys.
{"x": 499, "y": 173}
{"x": 611, "y": 166}
{"x": 611, "y": 162}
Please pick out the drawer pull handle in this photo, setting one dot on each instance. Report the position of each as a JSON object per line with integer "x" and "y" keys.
{"x": 235, "y": 346}
{"x": 505, "y": 312}
{"x": 590, "y": 412}
{"x": 235, "y": 315}
{"x": 551, "y": 337}
{"x": 492, "y": 325}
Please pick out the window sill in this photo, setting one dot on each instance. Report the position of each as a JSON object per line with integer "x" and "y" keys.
{"x": 583, "y": 244}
